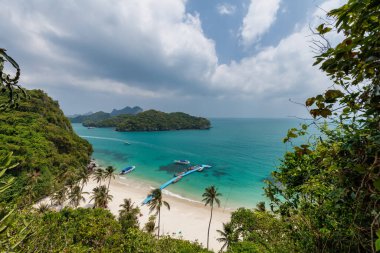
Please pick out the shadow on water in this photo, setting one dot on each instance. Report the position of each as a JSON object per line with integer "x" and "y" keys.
{"x": 173, "y": 168}
{"x": 118, "y": 156}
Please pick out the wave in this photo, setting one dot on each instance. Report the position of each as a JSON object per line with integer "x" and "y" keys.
{"x": 101, "y": 138}
{"x": 169, "y": 193}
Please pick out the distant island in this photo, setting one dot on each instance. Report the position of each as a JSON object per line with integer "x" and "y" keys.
{"x": 135, "y": 119}
{"x": 98, "y": 116}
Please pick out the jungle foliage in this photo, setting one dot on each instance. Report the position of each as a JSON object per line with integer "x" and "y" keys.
{"x": 328, "y": 191}
{"x": 92, "y": 230}
{"x": 152, "y": 120}
{"x": 43, "y": 144}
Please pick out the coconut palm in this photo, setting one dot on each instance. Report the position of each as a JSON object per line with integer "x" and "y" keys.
{"x": 228, "y": 235}
{"x": 127, "y": 207}
{"x": 76, "y": 196}
{"x": 260, "y": 207}
{"x": 59, "y": 197}
{"x": 109, "y": 173}
{"x": 43, "y": 208}
{"x": 84, "y": 177}
{"x": 100, "y": 196}
{"x": 210, "y": 196}
{"x": 128, "y": 215}
{"x": 98, "y": 175}
{"x": 155, "y": 205}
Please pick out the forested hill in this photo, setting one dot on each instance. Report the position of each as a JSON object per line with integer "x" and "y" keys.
{"x": 43, "y": 143}
{"x": 152, "y": 120}
{"x": 97, "y": 116}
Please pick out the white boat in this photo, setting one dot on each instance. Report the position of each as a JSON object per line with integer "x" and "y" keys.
{"x": 185, "y": 162}
{"x": 127, "y": 170}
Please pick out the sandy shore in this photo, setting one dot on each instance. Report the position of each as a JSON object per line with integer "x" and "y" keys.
{"x": 186, "y": 219}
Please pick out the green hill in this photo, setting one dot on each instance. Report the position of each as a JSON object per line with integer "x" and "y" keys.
{"x": 43, "y": 143}
{"x": 152, "y": 120}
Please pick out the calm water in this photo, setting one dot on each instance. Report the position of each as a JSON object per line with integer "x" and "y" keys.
{"x": 242, "y": 152}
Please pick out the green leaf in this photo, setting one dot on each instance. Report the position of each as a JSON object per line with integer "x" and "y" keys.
{"x": 310, "y": 101}
{"x": 377, "y": 184}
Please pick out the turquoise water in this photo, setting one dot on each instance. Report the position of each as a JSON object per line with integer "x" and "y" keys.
{"x": 242, "y": 152}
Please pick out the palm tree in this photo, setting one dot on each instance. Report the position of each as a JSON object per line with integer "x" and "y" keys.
{"x": 127, "y": 207}
{"x": 109, "y": 173}
{"x": 209, "y": 197}
{"x": 128, "y": 215}
{"x": 228, "y": 235}
{"x": 260, "y": 207}
{"x": 43, "y": 208}
{"x": 84, "y": 177}
{"x": 59, "y": 197}
{"x": 98, "y": 175}
{"x": 101, "y": 197}
{"x": 155, "y": 205}
{"x": 76, "y": 196}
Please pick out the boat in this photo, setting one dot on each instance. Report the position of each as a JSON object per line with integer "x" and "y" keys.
{"x": 127, "y": 143}
{"x": 203, "y": 166}
{"x": 184, "y": 162}
{"x": 177, "y": 179}
{"x": 90, "y": 127}
{"x": 127, "y": 170}
{"x": 179, "y": 174}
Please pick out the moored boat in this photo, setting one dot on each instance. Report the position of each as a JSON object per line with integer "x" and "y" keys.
{"x": 127, "y": 170}
{"x": 184, "y": 162}
{"x": 177, "y": 179}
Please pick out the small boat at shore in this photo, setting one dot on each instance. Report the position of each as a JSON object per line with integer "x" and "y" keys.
{"x": 179, "y": 174}
{"x": 127, "y": 170}
{"x": 184, "y": 162}
{"x": 177, "y": 179}
{"x": 90, "y": 127}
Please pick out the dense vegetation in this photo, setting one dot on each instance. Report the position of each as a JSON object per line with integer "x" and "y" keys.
{"x": 92, "y": 230}
{"x": 43, "y": 144}
{"x": 151, "y": 120}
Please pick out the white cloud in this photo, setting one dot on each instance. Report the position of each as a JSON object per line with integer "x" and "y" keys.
{"x": 260, "y": 17}
{"x": 226, "y": 9}
{"x": 152, "y": 44}
{"x": 154, "y": 50}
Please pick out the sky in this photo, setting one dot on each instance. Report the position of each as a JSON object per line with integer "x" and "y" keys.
{"x": 228, "y": 58}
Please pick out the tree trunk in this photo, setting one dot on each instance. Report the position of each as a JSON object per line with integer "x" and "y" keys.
{"x": 108, "y": 187}
{"x": 159, "y": 218}
{"x": 209, "y": 224}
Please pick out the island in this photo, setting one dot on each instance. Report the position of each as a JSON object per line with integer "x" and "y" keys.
{"x": 150, "y": 120}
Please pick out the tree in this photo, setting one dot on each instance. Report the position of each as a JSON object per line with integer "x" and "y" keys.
{"x": 8, "y": 83}
{"x": 109, "y": 173}
{"x": 98, "y": 175}
{"x": 150, "y": 225}
{"x": 155, "y": 205}
{"x": 76, "y": 196}
{"x": 210, "y": 196}
{"x": 101, "y": 197}
{"x": 260, "y": 206}
{"x": 329, "y": 189}
{"x": 228, "y": 235}
{"x": 84, "y": 177}
{"x": 128, "y": 215}
{"x": 59, "y": 197}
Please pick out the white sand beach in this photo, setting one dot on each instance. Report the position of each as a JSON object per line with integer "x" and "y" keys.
{"x": 187, "y": 219}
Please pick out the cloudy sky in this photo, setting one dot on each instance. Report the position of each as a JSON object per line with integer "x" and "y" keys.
{"x": 214, "y": 58}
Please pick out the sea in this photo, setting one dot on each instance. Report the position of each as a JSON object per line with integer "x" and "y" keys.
{"x": 242, "y": 153}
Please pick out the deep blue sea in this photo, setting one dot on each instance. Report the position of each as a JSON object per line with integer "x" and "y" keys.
{"x": 242, "y": 152}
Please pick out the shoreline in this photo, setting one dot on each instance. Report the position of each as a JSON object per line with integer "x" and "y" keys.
{"x": 187, "y": 219}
